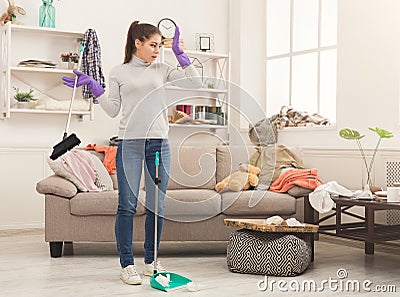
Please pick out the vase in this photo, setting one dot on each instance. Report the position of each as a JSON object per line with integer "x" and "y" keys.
{"x": 47, "y": 14}
{"x": 367, "y": 191}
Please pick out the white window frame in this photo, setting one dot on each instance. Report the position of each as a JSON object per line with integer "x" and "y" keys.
{"x": 292, "y": 54}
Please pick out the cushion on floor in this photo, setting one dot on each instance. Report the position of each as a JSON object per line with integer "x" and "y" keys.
{"x": 276, "y": 254}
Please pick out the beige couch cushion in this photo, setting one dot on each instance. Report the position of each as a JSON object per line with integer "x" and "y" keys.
{"x": 229, "y": 157}
{"x": 192, "y": 167}
{"x": 56, "y": 185}
{"x": 257, "y": 203}
{"x": 192, "y": 205}
{"x": 100, "y": 203}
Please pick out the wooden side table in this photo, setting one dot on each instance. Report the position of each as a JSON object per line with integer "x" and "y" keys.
{"x": 365, "y": 229}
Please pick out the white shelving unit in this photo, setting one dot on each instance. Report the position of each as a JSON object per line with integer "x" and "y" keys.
{"x": 215, "y": 70}
{"x": 20, "y": 43}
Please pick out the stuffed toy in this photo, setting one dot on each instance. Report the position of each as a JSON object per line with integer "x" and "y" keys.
{"x": 246, "y": 176}
{"x": 11, "y": 14}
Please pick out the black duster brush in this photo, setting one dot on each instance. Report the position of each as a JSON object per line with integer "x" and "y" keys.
{"x": 65, "y": 145}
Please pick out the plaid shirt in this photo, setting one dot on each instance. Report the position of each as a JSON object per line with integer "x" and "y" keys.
{"x": 91, "y": 62}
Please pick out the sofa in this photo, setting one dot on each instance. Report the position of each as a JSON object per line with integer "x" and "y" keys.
{"x": 194, "y": 211}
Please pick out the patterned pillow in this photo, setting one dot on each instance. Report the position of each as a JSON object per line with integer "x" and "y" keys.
{"x": 103, "y": 179}
{"x": 59, "y": 169}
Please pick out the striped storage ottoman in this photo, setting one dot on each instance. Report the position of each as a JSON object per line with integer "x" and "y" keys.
{"x": 268, "y": 253}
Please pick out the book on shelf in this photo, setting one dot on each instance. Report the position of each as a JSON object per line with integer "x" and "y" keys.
{"x": 37, "y": 63}
{"x": 199, "y": 114}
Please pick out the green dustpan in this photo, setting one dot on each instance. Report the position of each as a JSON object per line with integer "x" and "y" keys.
{"x": 176, "y": 281}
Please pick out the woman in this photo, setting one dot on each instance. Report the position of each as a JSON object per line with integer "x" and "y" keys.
{"x": 137, "y": 86}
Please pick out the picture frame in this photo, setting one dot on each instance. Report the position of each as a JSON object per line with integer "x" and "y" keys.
{"x": 205, "y": 42}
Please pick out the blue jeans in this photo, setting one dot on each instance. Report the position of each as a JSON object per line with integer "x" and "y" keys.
{"x": 129, "y": 161}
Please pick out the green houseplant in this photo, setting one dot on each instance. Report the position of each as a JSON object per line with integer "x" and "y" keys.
{"x": 24, "y": 100}
{"x": 23, "y": 96}
{"x": 351, "y": 134}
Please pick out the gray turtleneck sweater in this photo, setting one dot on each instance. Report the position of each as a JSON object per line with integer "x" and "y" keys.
{"x": 139, "y": 88}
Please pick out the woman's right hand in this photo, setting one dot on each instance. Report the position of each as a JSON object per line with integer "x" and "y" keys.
{"x": 83, "y": 79}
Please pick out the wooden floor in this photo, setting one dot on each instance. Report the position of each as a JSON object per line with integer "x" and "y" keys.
{"x": 26, "y": 269}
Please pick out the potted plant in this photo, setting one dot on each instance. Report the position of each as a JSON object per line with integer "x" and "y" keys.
{"x": 74, "y": 59}
{"x": 69, "y": 60}
{"x": 65, "y": 60}
{"x": 351, "y": 134}
{"x": 24, "y": 100}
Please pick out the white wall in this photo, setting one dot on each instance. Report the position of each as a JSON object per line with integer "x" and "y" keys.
{"x": 368, "y": 70}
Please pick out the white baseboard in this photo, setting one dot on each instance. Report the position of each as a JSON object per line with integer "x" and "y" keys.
{"x": 22, "y": 226}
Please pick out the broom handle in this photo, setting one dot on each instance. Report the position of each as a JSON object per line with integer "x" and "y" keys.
{"x": 73, "y": 93}
{"x": 157, "y": 162}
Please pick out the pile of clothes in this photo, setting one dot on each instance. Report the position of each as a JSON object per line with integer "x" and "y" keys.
{"x": 289, "y": 117}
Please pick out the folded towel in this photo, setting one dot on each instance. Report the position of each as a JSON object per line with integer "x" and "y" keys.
{"x": 306, "y": 178}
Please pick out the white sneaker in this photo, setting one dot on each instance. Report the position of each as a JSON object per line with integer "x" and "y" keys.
{"x": 148, "y": 269}
{"x": 130, "y": 276}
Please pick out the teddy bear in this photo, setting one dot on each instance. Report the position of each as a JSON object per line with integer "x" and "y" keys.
{"x": 11, "y": 14}
{"x": 242, "y": 179}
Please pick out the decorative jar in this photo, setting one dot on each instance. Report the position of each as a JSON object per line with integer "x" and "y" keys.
{"x": 47, "y": 14}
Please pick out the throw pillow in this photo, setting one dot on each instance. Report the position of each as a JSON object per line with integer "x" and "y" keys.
{"x": 59, "y": 169}
{"x": 297, "y": 191}
{"x": 114, "y": 180}
{"x": 56, "y": 185}
{"x": 103, "y": 179}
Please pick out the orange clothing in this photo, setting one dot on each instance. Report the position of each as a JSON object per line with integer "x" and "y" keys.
{"x": 110, "y": 153}
{"x": 306, "y": 178}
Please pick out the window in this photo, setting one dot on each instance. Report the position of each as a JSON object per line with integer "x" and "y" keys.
{"x": 301, "y": 56}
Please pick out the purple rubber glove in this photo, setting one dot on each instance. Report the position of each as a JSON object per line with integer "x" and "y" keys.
{"x": 182, "y": 58}
{"x": 83, "y": 79}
